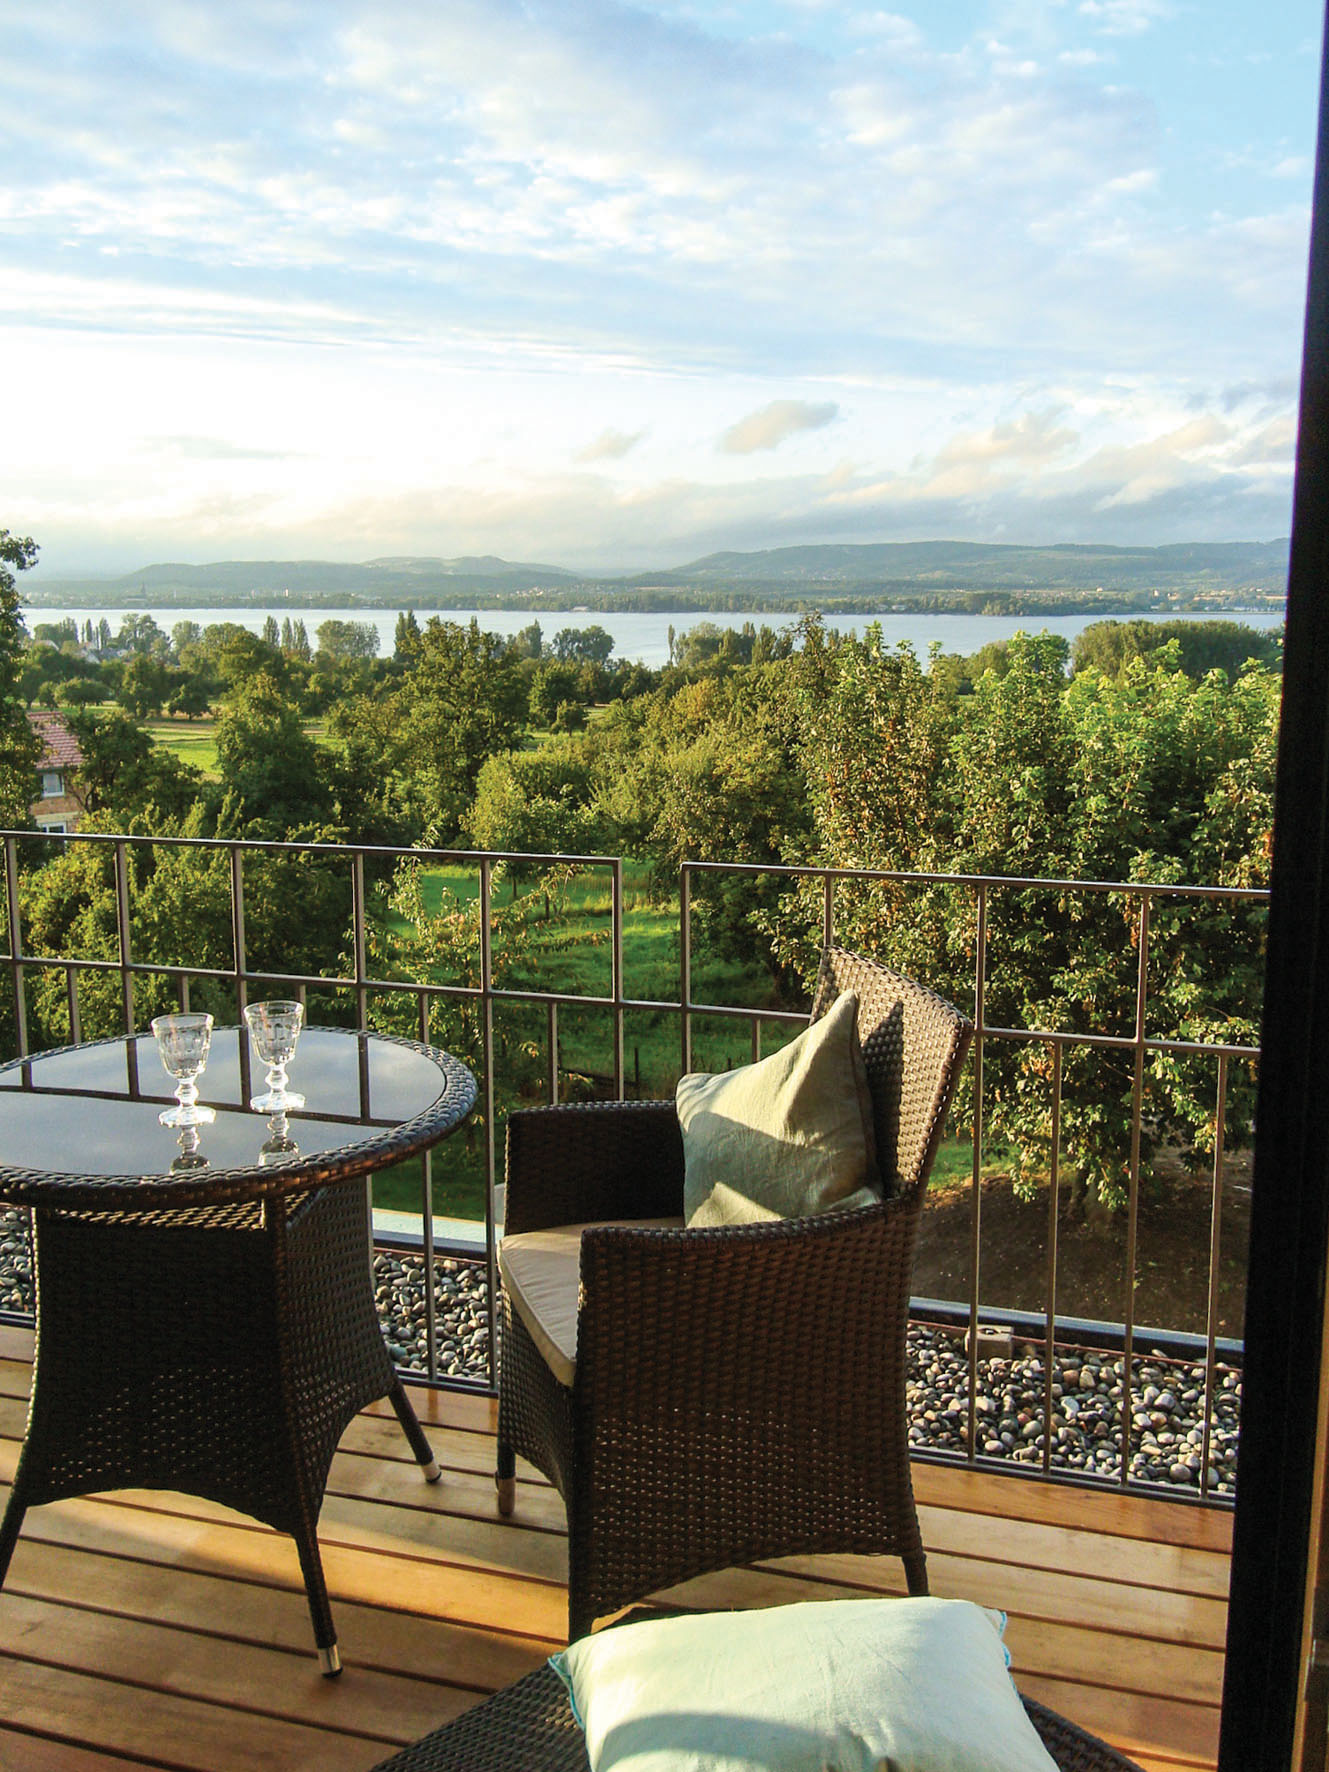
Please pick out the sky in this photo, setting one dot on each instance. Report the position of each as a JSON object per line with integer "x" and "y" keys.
{"x": 617, "y": 286}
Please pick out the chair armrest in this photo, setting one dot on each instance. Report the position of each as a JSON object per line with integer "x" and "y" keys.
{"x": 571, "y": 1165}
{"x": 780, "y": 1309}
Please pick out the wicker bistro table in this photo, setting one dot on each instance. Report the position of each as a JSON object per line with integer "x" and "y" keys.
{"x": 211, "y": 1328}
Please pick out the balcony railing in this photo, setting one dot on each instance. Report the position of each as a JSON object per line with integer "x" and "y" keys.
{"x": 1064, "y": 1393}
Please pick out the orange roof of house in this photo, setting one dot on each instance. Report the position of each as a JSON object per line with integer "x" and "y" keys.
{"x": 59, "y": 746}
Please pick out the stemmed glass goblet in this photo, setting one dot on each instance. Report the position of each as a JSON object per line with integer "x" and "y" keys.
{"x": 274, "y": 1027}
{"x": 183, "y": 1042}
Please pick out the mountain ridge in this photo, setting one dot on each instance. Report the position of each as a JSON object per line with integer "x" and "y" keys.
{"x": 866, "y": 574}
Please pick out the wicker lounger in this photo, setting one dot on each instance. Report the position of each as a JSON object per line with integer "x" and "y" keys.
{"x": 528, "y": 1727}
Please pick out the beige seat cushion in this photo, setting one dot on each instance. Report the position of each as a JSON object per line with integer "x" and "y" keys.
{"x": 542, "y": 1275}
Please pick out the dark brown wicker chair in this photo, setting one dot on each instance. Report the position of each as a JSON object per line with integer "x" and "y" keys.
{"x": 738, "y": 1393}
{"x": 529, "y": 1727}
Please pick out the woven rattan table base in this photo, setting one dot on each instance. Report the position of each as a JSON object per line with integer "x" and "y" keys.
{"x": 218, "y": 1351}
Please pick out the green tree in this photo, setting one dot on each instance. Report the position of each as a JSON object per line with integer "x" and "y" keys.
{"x": 1203, "y": 646}
{"x": 708, "y": 772}
{"x": 463, "y": 701}
{"x": 19, "y": 746}
{"x": 189, "y": 695}
{"x": 272, "y": 773}
{"x": 128, "y": 778}
{"x": 344, "y": 640}
{"x": 554, "y": 684}
{"x": 537, "y": 802}
{"x": 144, "y": 686}
{"x": 57, "y": 633}
{"x": 578, "y": 644}
{"x": 232, "y": 654}
{"x": 406, "y": 637}
{"x": 140, "y": 636}
{"x": 528, "y": 642}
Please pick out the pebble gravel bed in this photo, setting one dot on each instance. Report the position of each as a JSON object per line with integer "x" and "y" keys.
{"x": 1088, "y": 1384}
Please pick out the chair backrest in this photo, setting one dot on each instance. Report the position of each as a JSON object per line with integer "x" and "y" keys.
{"x": 914, "y": 1044}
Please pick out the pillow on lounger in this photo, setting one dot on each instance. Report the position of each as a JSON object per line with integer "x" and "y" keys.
{"x": 790, "y": 1135}
{"x": 849, "y": 1685}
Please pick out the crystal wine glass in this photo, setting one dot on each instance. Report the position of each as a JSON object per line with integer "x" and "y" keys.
{"x": 183, "y": 1041}
{"x": 274, "y": 1028}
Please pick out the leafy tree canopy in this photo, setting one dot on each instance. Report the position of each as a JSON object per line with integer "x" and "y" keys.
{"x": 19, "y": 746}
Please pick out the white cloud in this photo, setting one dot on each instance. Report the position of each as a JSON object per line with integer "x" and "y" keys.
{"x": 610, "y": 445}
{"x": 1125, "y": 18}
{"x": 771, "y": 425}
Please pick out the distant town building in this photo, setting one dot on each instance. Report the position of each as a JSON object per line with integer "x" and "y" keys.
{"x": 59, "y": 805}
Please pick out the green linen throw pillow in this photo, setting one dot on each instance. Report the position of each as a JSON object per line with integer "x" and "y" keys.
{"x": 823, "y": 1686}
{"x": 790, "y": 1135}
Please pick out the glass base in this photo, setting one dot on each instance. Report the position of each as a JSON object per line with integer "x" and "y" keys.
{"x": 194, "y": 1113}
{"x": 277, "y": 1101}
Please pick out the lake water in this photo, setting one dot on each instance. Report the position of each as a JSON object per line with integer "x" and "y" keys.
{"x": 646, "y": 637}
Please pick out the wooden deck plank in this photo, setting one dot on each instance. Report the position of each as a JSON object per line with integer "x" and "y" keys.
{"x": 1116, "y": 1605}
{"x": 372, "y": 1573}
{"x": 34, "y": 1753}
{"x": 168, "y": 1729}
{"x": 473, "y": 1657}
{"x": 1053, "y": 1595}
{"x": 264, "y": 1681}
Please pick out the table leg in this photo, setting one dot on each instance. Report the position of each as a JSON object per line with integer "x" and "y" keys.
{"x": 415, "y": 1434}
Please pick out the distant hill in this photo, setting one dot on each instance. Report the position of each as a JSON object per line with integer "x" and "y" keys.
{"x": 962, "y": 565}
{"x": 372, "y": 581}
{"x": 867, "y": 577}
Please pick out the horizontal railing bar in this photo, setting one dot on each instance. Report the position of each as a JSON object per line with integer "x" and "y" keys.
{"x": 1022, "y": 883}
{"x": 1092, "y": 1332}
{"x": 275, "y": 844}
{"x": 642, "y": 1005}
{"x": 1245, "y": 894}
{"x": 1119, "y": 1042}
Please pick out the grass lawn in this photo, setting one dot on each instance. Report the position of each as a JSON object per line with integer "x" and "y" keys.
{"x": 193, "y": 741}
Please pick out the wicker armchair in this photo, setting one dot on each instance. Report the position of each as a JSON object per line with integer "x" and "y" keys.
{"x": 529, "y": 1727}
{"x": 735, "y": 1393}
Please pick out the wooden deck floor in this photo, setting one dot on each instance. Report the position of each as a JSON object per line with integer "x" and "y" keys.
{"x": 156, "y": 1630}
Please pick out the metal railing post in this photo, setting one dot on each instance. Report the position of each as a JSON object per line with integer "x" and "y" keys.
{"x": 685, "y": 959}
{"x": 487, "y": 1044}
{"x": 123, "y": 934}
{"x": 238, "y": 944}
{"x": 616, "y": 968}
{"x": 16, "y": 947}
{"x": 359, "y": 939}
{"x": 976, "y": 1171}
{"x": 1133, "y": 1201}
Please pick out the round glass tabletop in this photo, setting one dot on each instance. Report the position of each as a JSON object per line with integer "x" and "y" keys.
{"x": 80, "y": 1126}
